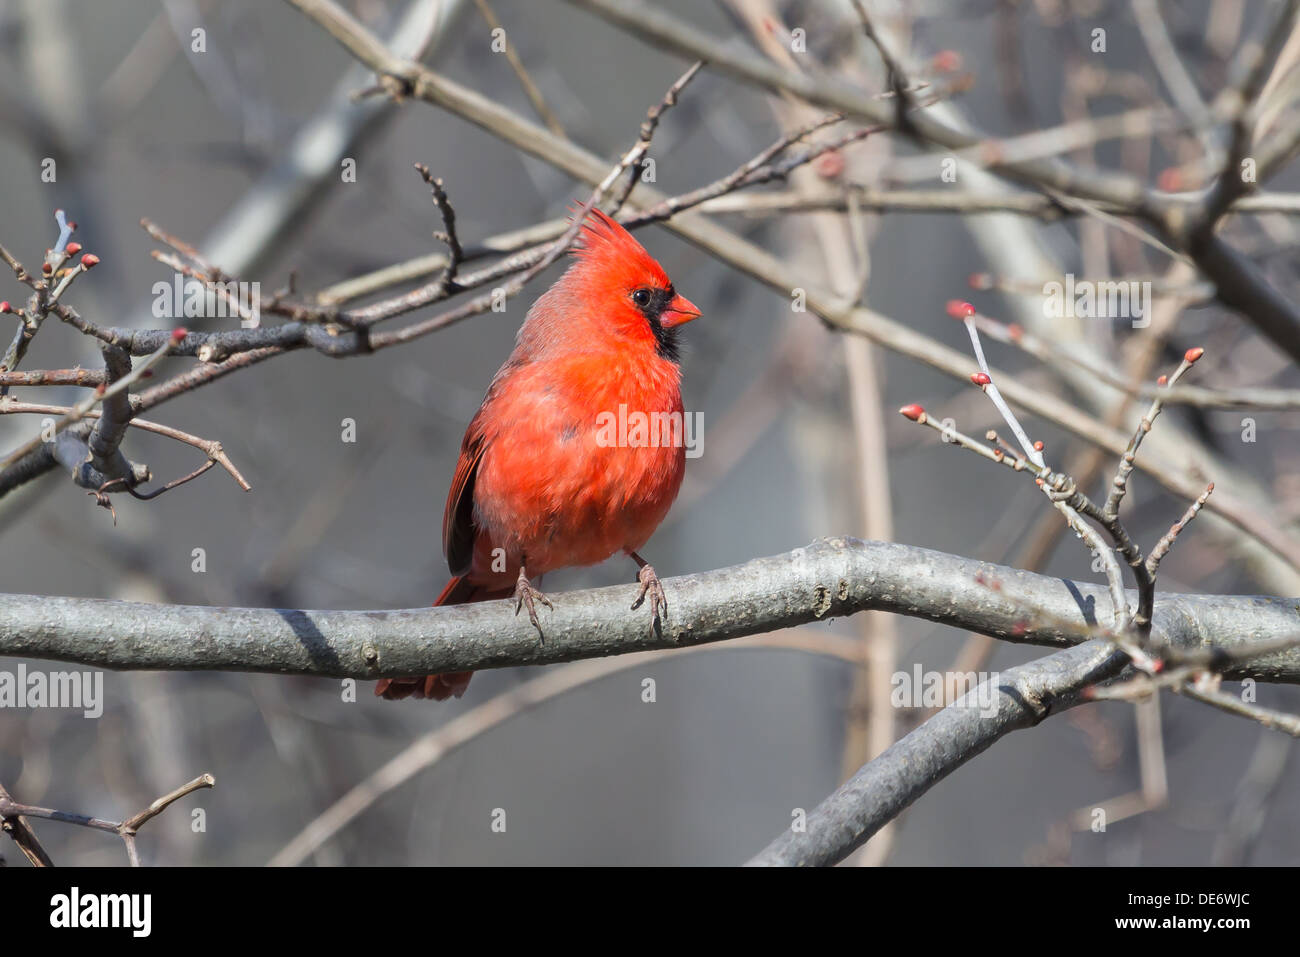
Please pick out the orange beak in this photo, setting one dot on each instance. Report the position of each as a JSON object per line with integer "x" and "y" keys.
{"x": 679, "y": 311}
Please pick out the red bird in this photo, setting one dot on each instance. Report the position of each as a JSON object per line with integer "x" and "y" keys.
{"x": 538, "y": 487}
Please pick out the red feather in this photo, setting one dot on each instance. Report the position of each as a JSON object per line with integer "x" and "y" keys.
{"x": 535, "y": 484}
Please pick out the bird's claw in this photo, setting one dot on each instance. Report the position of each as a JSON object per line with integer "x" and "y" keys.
{"x": 651, "y": 587}
{"x": 526, "y": 594}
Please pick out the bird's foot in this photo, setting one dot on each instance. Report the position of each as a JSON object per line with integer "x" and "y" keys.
{"x": 650, "y": 587}
{"x": 526, "y": 594}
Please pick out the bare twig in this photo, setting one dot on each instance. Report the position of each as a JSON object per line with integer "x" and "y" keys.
{"x": 525, "y": 80}
{"x": 209, "y": 447}
{"x": 80, "y": 410}
{"x": 23, "y": 835}
{"x": 11, "y": 810}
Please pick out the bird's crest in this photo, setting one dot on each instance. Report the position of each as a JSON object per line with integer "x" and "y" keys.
{"x": 606, "y": 244}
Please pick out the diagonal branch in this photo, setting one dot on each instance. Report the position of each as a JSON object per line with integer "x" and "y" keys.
{"x": 1018, "y": 698}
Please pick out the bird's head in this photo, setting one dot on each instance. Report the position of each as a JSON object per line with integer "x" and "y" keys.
{"x": 628, "y": 292}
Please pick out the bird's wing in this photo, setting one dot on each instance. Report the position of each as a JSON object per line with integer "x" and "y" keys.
{"x": 458, "y": 531}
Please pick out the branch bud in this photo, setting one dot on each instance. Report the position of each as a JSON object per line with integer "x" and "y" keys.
{"x": 946, "y": 61}
{"x": 830, "y": 165}
{"x": 1171, "y": 180}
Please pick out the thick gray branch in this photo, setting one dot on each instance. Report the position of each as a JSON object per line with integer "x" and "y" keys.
{"x": 1242, "y": 285}
{"x": 885, "y": 786}
{"x": 830, "y": 578}
{"x": 106, "y": 457}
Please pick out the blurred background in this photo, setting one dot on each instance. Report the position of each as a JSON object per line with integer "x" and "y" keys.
{"x": 238, "y": 149}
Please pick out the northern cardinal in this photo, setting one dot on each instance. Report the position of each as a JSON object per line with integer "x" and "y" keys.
{"x": 536, "y": 488}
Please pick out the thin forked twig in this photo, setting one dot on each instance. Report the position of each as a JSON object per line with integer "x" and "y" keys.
{"x": 11, "y": 810}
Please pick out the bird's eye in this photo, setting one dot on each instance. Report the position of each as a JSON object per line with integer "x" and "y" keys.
{"x": 641, "y": 297}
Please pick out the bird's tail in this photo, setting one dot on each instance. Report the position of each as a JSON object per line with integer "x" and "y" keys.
{"x": 459, "y": 591}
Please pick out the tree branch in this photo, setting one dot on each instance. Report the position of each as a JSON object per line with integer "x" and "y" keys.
{"x": 887, "y": 785}
{"x": 12, "y": 811}
{"x": 830, "y": 578}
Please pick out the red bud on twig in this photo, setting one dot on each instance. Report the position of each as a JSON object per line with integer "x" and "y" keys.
{"x": 981, "y": 379}
{"x": 913, "y": 412}
{"x": 89, "y": 261}
{"x": 1194, "y": 353}
{"x": 1170, "y": 180}
{"x": 960, "y": 310}
{"x": 991, "y": 152}
{"x": 946, "y": 61}
{"x": 830, "y": 165}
